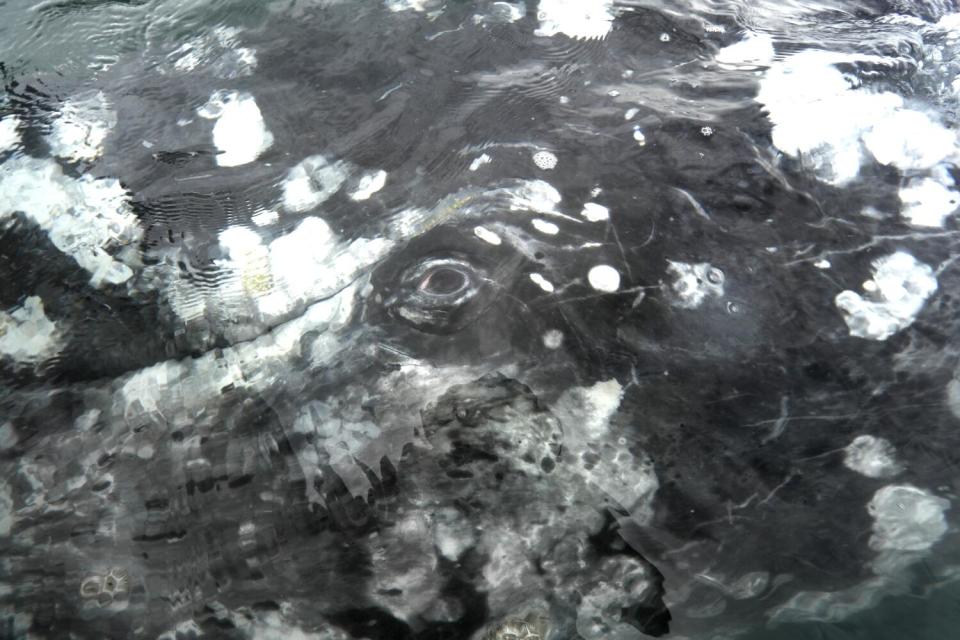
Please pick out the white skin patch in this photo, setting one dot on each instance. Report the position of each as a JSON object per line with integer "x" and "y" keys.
{"x": 595, "y": 405}
{"x": 755, "y": 50}
{"x": 534, "y": 196}
{"x": 631, "y": 113}
{"x": 928, "y": 202}
{"x": 582, "y": 19}
{"x": 594, "y": 212}
{"x": 821, "y": 114}
{"x": 906, "y": 518}
{"x": 545, "y": 160}
{"x": 27, "y": 335}
{"x": 249, "y": 259}
{"x": 604, "y": 278}
{"x": 252, "y": 365}
{"x": 84, "y": 218}
{"x": 639, "y": 136}
{"x": 545, "y": 227}
{"x": 479, "y": 161}
{"x": 309, "y": 260}
{"x": 81, "y": 127}
{"x": 872, "y": 457}
{"x": 694, "y": 283}
{"x": 553, "y": 339}
{"x": 487, "y": 236}
{"x": 900, "y": 287}
{"x": 369, "y": 185}
{"x": 542, "y": 282}
{"x": 267, "y": 281}
{"x": 265, "y": 218}
{"x": 312, "y": 182}
{"x": 9, "y": 136}
{"x": 240, "y": 133}
{"x": 586, "y": 413}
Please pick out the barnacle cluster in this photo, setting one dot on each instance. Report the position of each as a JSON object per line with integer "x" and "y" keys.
{"x": 106, "y": 588}
{"x": 533, "y": 626}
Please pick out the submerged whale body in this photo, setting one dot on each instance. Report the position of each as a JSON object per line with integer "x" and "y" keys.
{"x": 480, "y": 320}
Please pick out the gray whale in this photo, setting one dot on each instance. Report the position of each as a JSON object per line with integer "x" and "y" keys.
{"x": 421, "y": 321}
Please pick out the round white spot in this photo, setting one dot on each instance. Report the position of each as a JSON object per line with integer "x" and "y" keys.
{"x": 542, "y": 282}
{"x": 639, "y": 137}
{"x": 545, "y": 227}
{"x": 873, "y": 457}
{"x": 603, "y": 277}
{"x": 487, "y": 236}
{"x": 613, "y": 93}
{"x": 664, "y": 37}
{"x": 706, "y": 131}
{"x": 545, "y": 160}
{"x": 822, "y": 264}
{"x": 553, "y": 339}
{"x": 595, "y": 212}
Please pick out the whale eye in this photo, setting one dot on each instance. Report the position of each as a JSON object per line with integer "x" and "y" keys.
{"x": 439, "y": 295}
{"x": 444, "y": 281}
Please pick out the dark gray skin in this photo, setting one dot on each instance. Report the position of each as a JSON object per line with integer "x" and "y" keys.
{"x": 329, "y": 541}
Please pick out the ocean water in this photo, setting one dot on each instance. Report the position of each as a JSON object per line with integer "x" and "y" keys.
{"x": 395, "y": 319}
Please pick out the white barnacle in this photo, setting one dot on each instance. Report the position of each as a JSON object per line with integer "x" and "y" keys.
{"x": 594, "y": 212}
{"x": 543, "y": 226}
{"x": 240, "y": 133}
{"x": 604, "y": 278}
{"x": 545, "y": 160}
{"x": 553, "y": 339}
{"x": 900, "y": 287}
{"x": 871, "y": 456}
{"x": 694, "y": 283}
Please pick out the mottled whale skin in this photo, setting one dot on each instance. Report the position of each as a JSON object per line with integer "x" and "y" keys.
{"x": 449, "y": 348}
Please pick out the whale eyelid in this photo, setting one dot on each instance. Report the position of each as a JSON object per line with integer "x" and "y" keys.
{"x": 437, "y": 273}
{"x": 440, "y": 294}
{"x": 418, "y": 278}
